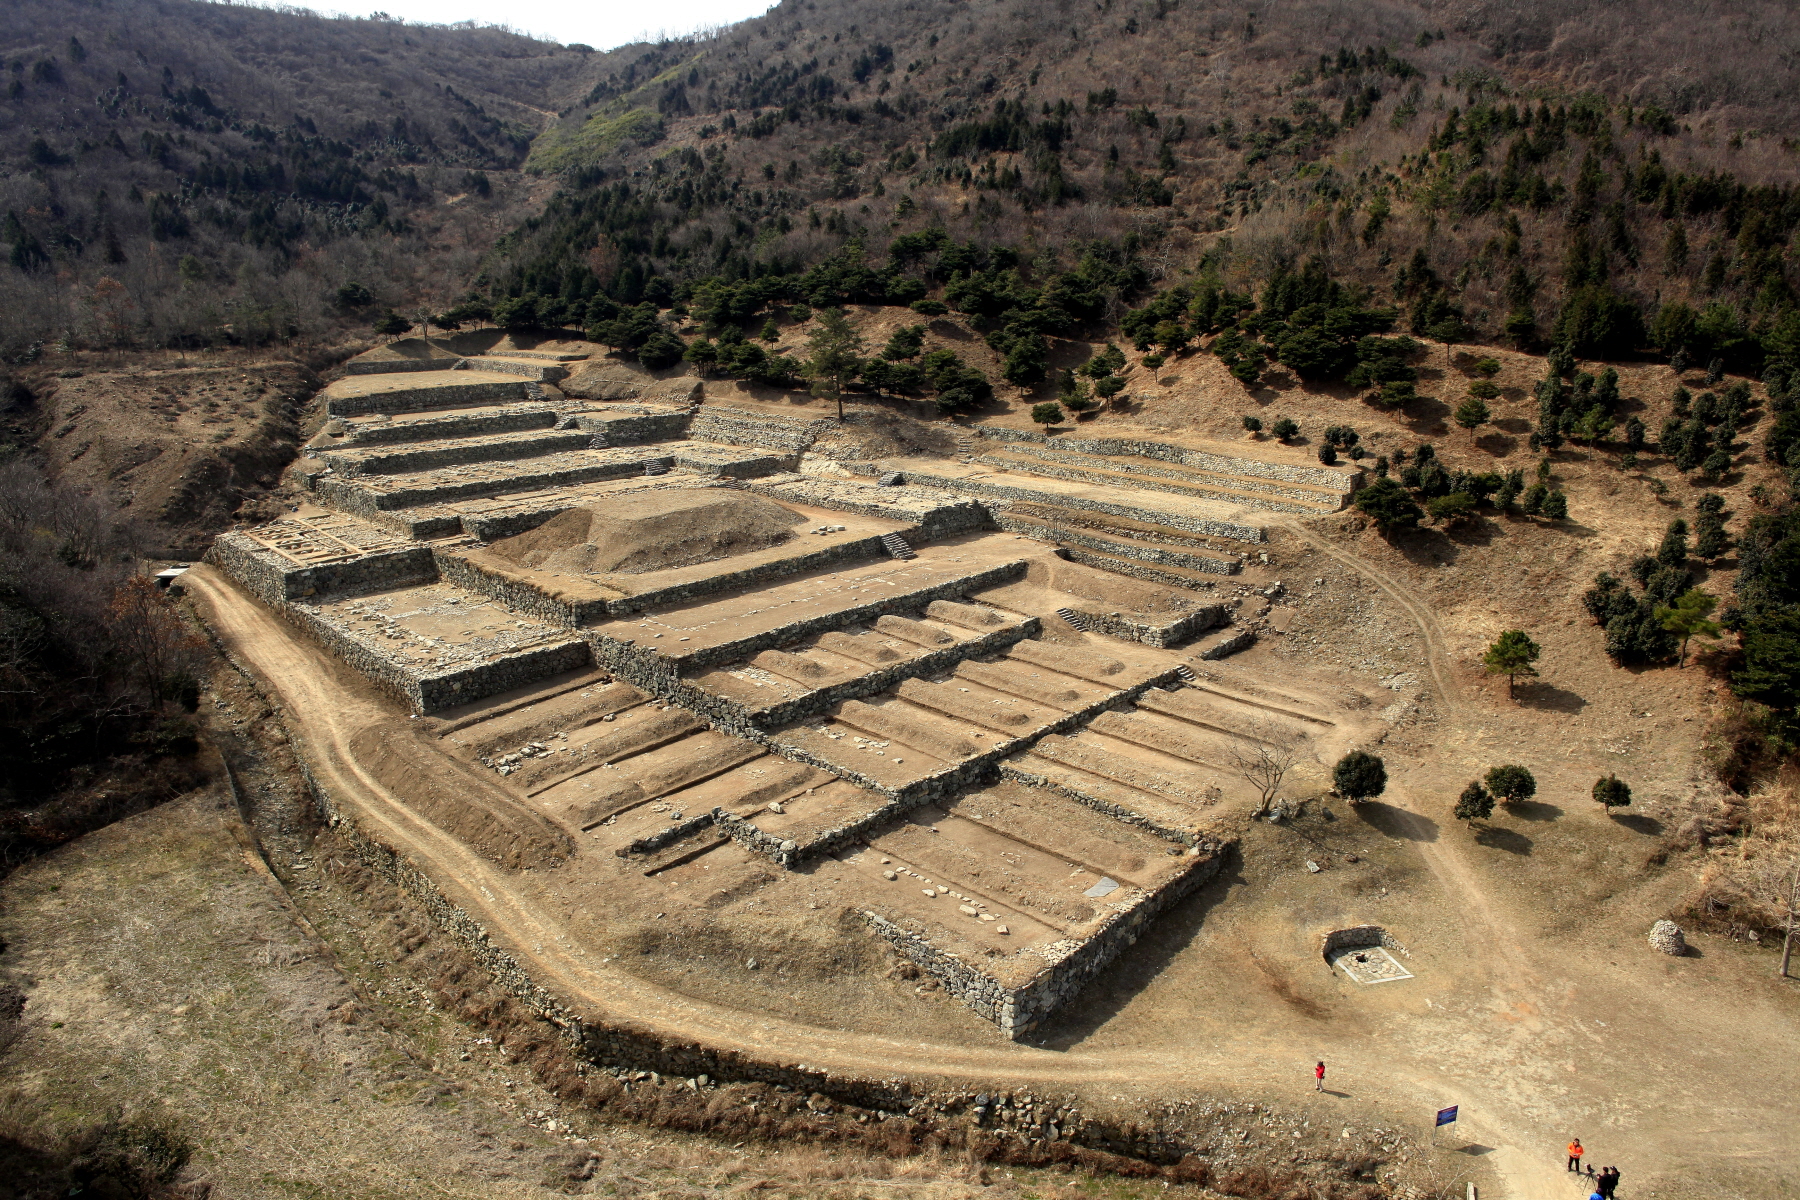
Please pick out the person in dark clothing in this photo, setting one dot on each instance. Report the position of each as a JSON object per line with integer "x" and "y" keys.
{"x": 1607, "y": 1182}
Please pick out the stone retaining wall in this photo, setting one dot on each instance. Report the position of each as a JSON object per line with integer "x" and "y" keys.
{"x": 744, "y": 721}
{"x": 459, "y": 450}
{"x": 1040, "y": 531}
{"x": 391, "y": 366}
{"x": 636, "y": 430}
{"x": 1228, "y": 479}
{"x": 473, "y": 681}
{"x": 548, "y": 372}
{"x": 347, "y": 496}
{"x": 1073, "y": 962}
{"x": 450, "y": 395}
{"x": 1204, "y": 525}
{"x": 516, "y": 595}
{"x": 1344, "y": 480}
{"x": 933, "y": 516}
{"x": 1216, "y": 494}
{"x": 1243, "y": 640}
{"x": 854, "y": 550}
{"x": 649, "y": 671}
{"x": 1127, "y": 567}
{"x": 1170, "y": 633}
{"x": 276, "y": 580}
{"x": 739, "y": 427}
{"x": 473, "y": 425}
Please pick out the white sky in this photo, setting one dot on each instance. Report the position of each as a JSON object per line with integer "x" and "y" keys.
{"x": 601, "y": 24}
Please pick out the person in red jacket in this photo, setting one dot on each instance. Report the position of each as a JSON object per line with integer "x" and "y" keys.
{"x": 1319, "y": 1078}
{"x": 1575, "y": 1153}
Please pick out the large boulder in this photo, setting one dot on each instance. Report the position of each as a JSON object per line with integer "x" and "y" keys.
{"x": 1666, "y": 936}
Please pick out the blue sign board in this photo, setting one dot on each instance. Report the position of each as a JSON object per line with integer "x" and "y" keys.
{"x": 1447, "y": 1115}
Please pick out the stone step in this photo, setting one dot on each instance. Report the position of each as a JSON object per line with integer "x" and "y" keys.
{"x": 453, "y": 451}
{"x": 1219, "y": 493}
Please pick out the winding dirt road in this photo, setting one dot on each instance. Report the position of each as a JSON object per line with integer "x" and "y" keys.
{"x": 1519, "y": 1050}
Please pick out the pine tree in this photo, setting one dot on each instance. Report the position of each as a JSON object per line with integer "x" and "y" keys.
{"x": 1611, "y": 792}
{"x": 1512, "y": 655}
{"x": 1688, "y": 618}
{"x": 1047, "y": 414}
{"x": 1359, "y": 776}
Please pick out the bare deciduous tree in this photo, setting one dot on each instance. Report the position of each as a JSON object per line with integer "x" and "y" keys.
{"x": 1262, "y": 759}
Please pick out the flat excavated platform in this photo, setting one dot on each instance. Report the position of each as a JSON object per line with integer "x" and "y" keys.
{"x": 435, "y": 644}
{"x": 414, "y": 391}
{"x": 718, "y": 630}
{"x": 590, "y": 596}
{"x": 1238, "y": 522}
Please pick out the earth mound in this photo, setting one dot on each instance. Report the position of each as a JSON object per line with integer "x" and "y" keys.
{"x": 652, "y": 531}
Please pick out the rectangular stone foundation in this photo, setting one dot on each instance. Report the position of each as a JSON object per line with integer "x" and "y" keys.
{"x": 1020, "y": 1007}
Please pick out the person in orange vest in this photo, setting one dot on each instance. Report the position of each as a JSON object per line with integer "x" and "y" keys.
{"x": 1575, "y": 1153}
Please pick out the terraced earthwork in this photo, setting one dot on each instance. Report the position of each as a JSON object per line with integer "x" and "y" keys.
{"x": 976, "y": 699}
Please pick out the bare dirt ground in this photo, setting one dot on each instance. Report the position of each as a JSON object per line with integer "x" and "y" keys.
{"x": 1537, "y": 1004}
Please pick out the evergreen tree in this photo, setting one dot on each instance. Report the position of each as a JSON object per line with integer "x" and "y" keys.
{"x": 1284, "y": 429}
{"x": 1556, "y": 506}
{"x": 1512, "y": 655}
{"x": 1388, "y": 505}
{"x": 1359, "y": 776}
{"x": 1611, "y": 792}
{"x": 1511, "y": 784}
{"x": 1688, "y": 618}
{"x": 1674, "y": 549}
{"x": 1253, "y": 425}
{"x": 1047, "y": 414}
{"x": 831, "y": 358}
{"x": 1475, "y": 804}
{"x": 1472, "y": 413}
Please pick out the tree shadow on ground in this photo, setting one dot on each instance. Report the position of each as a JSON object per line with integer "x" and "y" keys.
{"x": 1427, "y": 548}
{"x": 1475, "y": 531}
{"x": 1534, "y": 810}
{"x": 1513, "y": 424}
{"x": 1397, "y": 822}
{"x": 1500, "y": 838}
{"x": 1497, "y": 444}
{"x": 1549, "y": 698}
{"x": 1638, "y": 823}
{"x": 1103, "y": 997}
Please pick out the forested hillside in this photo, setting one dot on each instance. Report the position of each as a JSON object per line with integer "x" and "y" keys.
{"x": 176, "y": 173}
{"x": 1612, "y": 180}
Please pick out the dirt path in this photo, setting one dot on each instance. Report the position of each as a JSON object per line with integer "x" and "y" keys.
{"x": 1525, "y": 1042}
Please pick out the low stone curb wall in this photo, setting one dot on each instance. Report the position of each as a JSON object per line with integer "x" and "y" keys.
{"x": 1118, "y": 812}
{"x": 649, "y": 671}
{"x": 974, "y": 487}
{"x": 1162, "y": 636}
{"x": 1038, "y": 531}
{"x": 393, "y": 366}
{"x": 1360, "y": 935}
{"x": 510, "y": 524}
{"x": 952, "y": 781}
{"x": 1196, "y": 491}
{"x": 450, "y": 395}
{"x": 474, "y": 425}
{"x": 732, "y": 468}
{"x": 733, "y": 717}
{"x": 275, "y": 580}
